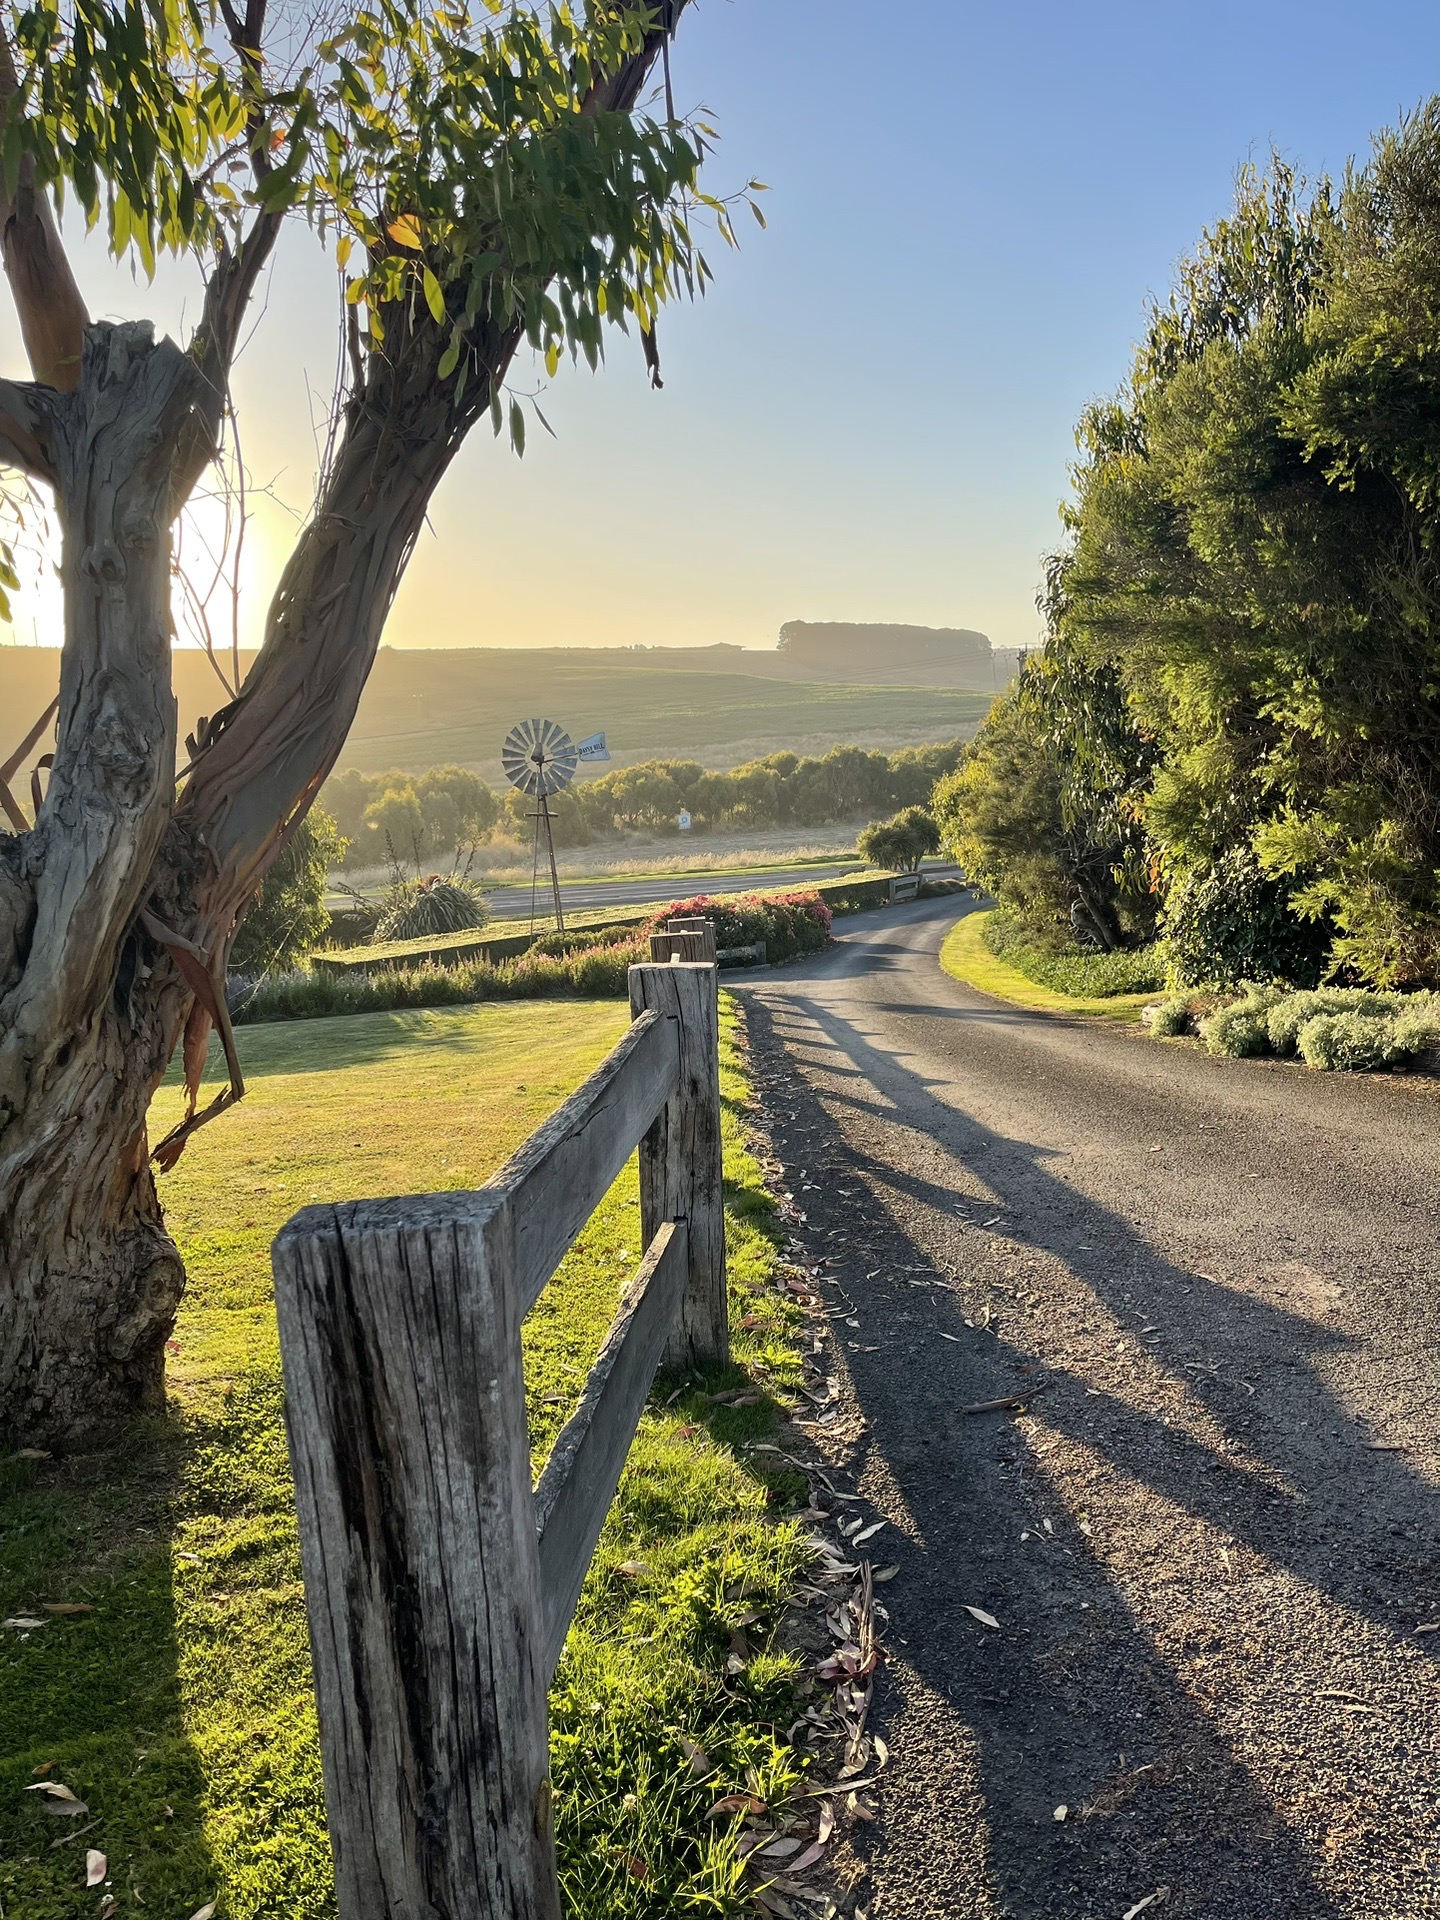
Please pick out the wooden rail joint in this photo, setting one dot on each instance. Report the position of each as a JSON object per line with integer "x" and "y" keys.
{"x": 439, "y": 1584}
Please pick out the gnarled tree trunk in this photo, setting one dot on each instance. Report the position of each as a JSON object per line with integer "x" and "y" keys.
{"x": 117, "y": 908}
{"x": 89, "y": 1278}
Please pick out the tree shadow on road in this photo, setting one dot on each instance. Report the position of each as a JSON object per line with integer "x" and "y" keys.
{"x": 1074, "y": 1703}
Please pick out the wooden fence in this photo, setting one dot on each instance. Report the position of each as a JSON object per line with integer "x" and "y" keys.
{"x": 439, "y": 1584}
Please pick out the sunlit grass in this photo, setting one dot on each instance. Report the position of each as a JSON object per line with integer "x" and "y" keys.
{"x": 967, "y": 958}
{"x": 180, "y": 1710}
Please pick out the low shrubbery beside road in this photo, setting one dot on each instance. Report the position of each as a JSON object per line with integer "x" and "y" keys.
{"x": 1329, "y": 1028}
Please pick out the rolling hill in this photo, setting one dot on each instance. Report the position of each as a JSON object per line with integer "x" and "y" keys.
{"x": 719, "y": 705}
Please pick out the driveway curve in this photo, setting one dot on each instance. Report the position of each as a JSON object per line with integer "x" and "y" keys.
{"x": 1212, "y": 1543}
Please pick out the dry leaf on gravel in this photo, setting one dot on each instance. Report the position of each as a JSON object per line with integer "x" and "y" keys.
{"x": 882, "y": 1574}
{"x": 96, "y": 1866}
{"x": 779, "y": 1849}
{"x": 1150, "y": 1900}
{"x": 812, "y": 1854}
{"x": 985, "y": 1619}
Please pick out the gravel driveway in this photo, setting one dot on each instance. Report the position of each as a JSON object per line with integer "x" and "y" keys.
{"x": 1211, "y": 1543}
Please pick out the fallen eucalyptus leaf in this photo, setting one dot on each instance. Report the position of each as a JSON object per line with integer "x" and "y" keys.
{"x": 96, "y": 1866}
{"x": 985, "y": 1619}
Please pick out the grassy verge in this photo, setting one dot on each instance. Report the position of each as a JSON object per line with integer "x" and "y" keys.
{"x": 179, "y": 1708}
{"x": 966, "y": 956}
{"x": 1059, "y": 964}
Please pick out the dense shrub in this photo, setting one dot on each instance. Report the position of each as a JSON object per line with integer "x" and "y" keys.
{"x": 1053, "y": 961}
{"x": 1239, "y": 1030}
{"x": 598, "y": 972}
{"x": 1171, "y": 1017}
{"x": 442, "y": 903}
{"x": 1331, "y": 1029}
{"x": 902, "y": 841}
{"x": 1229, "y": 923}
{"x": 581, "y": 939}
{"x": 286, "y": 919}
{"x": 790, "y": 924}
{"x": 1289, "y": 1014}
{"x": 1351, "y": 1042}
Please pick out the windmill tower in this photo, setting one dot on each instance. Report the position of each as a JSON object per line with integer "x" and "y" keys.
{"x": 540, "y": 759}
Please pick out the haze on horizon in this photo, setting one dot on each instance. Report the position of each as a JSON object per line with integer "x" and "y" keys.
{"x": 869, "y": 418}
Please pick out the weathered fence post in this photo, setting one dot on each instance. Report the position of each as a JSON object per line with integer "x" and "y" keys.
{"x": 701, "y": 926}
{"x": 680, "y": 1172}
{"x": 406, "y": 1411}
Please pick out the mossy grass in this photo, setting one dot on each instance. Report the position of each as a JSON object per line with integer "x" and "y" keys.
{"x": 180, "y": 1709}
{"x": 966, "y": 956}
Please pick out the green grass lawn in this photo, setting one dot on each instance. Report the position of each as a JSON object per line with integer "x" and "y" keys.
{"x": 180, "y": 1709}
{"x": 966, "y": 956}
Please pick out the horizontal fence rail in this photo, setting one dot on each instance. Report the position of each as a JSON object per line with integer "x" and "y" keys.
{"x": 439, "y": 1584}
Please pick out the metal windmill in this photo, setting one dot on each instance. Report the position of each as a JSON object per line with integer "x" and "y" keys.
{"x": 540, "y": 759}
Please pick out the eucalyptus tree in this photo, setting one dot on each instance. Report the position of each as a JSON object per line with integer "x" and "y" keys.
{"x": 484, "y": 182}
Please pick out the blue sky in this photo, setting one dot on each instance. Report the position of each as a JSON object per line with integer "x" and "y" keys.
{"x": 870, "y": 417}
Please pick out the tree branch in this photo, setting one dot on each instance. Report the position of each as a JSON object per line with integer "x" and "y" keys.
{"x": 232, "y": 284}
{"x": 25, "y": 429}
{"x": 53, "y": 316}
{"x": 619, "y": 91}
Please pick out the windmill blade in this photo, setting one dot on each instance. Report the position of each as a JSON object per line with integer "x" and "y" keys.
{"x": 539, "y": 758}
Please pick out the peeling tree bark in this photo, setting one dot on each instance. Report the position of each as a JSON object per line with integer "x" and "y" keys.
{"x": 92, "y": 1007}
{"x": 89, "y": 1278}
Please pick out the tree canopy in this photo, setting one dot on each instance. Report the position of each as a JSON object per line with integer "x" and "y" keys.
{"x": 1252, "y": 573}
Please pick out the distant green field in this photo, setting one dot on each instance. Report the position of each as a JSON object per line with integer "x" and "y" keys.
{"x": 430, "y": 708}
{"x": 426, "y": 709}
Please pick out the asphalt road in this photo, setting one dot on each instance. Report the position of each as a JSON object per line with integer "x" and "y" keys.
{"x": 581, "y": 896}
{"x": 1210, "y": 1543}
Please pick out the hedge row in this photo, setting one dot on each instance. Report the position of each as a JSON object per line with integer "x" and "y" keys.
{"x": 592, "y": 963}
{"x": 839, "y": 896}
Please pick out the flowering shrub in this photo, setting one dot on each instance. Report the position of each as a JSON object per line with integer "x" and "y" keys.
{"x": 790, "y": 924}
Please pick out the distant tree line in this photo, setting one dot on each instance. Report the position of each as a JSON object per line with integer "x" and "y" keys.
{"x": 432, "y": 812}
{"x": 1232, "y": 740}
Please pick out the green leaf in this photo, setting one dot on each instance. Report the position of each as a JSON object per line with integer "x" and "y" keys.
{"x": 517, "y": 427}
{"x": 434, "y": 296}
